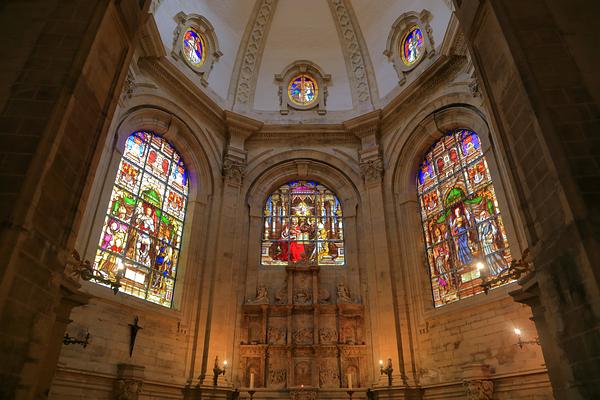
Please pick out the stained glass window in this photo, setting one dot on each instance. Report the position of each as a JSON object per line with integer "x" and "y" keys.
{"x": 194, "y": 47}
{"x": 303, "y": 223}
{"x": 412, "y": 46}
{"x": 464, "y": 234}
{"x": 141, "y": 235}
{"x": 303, "y": 90}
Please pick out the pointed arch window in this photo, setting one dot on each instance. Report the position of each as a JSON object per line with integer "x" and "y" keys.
{"x": 142, "y": 232}
{"x": 303, "y": 223}
{"x": 464, "y": 233}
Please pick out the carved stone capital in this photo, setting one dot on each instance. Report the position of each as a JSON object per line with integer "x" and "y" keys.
{"x": 372, "y": 170}
{"x": 479, "y": 389}
{"x": 129, "y": 383}
{"x": 233, "y": 170}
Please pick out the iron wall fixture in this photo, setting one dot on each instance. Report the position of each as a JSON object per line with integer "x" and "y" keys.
{"x": 515, "y": 270}
{"x": 67, "y": 340}
{"x": 84, "y": 270}
{"x": 387, "y": 370}
{"x": 217, "y": 370}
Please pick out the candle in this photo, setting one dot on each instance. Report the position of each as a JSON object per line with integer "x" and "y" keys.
{"x": 251, "y": 380}
{"x": 349, "y": 381}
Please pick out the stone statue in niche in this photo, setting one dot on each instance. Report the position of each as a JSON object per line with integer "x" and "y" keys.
{"x": 281, "y": 295}
{"x": 303, "y": 336}
{"x": 343, "y": 294}
{"x": 262, "y": 296}
{"x": 277, "y": 377}
{"x": 277, "y": 335}
{"x": 327, "y": 335}
{"x": 324, "y": 296}
{"x": 302, "y": 296}
{"x": 302, "y": 373}
{"x": 348, "y": 334}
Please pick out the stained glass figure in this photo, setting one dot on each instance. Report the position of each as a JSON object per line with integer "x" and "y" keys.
{"x": 303, "y": 222}
{"x": 461, "y": 219}
{"x": 303, "y": 90}
{"x": 194, "y": 47}
{"x": 142, "y": 231}
{"x": 412, "y": 46}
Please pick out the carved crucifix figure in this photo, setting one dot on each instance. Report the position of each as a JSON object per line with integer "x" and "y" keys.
{"x": 134, "y": 328}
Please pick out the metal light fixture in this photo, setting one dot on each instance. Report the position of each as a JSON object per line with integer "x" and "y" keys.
{"x": 83, "y": 269}
{"x": 387, "y": 370}
{"x": 522, "y": 342}
{"x": 513, "y": 272}
{"x": 217, "y": 370}
{"x": 67, "y": 340}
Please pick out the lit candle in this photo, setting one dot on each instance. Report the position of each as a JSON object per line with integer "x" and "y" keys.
{"x": 517, "y": 332}
{"x": 349, "y": 381}
{"x": 251, "y": 380}
{"x": 224, "y": 363}
{"x": 480, "y": 266}
{"x": 381, "y": 362}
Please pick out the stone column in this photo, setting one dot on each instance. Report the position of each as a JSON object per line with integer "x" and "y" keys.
{"x": 375, "y": 255}
{"x": 535, "y": 61}
{"x": 227, "y": 269}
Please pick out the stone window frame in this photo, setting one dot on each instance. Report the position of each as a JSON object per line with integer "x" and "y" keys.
{"x": 292, "y": 70}
{"x": 400, "y": 28}
{"x": 403, "y": 181}
{"x": 179, "y": 134}
{"x": 204, "y": 28}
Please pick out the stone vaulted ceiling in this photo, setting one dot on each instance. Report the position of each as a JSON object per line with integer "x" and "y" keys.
{"x": 259, "y": 38}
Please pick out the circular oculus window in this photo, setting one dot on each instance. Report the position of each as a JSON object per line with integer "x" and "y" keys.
{"x": 412, "y": 46}
{"x": 303, "y": 90}
{"x": 194, "y": 47}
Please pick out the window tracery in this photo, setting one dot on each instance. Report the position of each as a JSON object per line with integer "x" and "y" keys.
{"x": 142, "y": 232}
{"x": 302, "y": 223}
{"x": 465, "y": 238}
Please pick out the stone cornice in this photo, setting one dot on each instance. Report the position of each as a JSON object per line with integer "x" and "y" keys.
{"x": 365, "y": 125}
{"x": 162, "y": 70}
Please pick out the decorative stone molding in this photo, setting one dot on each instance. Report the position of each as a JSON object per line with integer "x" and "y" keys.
{"x": 248, "y": 61}
{"x": 400, "y": 28}
{"x": 239, "y": 128}
{"x": 479, "y": 389}
{"x": 293, "y": 70}
{"x": 357, "y": 59}
{"x": 303, "y": 394}
{"x": 204, "y": 28}
{"x": 129, "y": 383}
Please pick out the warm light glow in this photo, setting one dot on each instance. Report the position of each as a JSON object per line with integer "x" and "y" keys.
{"x": 517, "y": 332}
{"x": 380, "y": 362}
{"x": 480, "y": 266}
{"x": 225, "y": 362}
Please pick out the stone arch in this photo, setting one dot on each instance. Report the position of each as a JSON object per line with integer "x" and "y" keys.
{"x": 189, "y": 145}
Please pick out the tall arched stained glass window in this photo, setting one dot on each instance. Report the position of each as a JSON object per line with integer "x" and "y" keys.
{"x": 141, "y": 235}
{"x": 303, "y": 223}
{"x": 464, "y": 233}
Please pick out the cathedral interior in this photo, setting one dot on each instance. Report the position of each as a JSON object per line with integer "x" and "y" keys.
{"x": 316, "y": 199}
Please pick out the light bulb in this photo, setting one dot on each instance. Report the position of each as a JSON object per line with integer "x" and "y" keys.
{"x": 517, "y": 332}
{"x": 225, "y": 362}
{"x": 480, "y": 266}
{"x": 380, "y": 362}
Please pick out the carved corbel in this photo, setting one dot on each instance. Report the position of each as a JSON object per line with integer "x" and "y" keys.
{"x": 239, "y": 128}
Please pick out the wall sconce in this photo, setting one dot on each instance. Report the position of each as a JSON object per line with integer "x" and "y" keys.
{"x": 67, "y": 340}
{"x": 387, "y": 370}
{"x": 522, "y": 342}
{"x": 513, "y": 272}
{"x": 84, "y": 270}
{"x": 217, "y": 370}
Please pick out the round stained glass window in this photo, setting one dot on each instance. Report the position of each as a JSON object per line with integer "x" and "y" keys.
{"x": 194, "y": 47}
{"x": 303, "y": 90}
{"x": 412, "y": 46}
